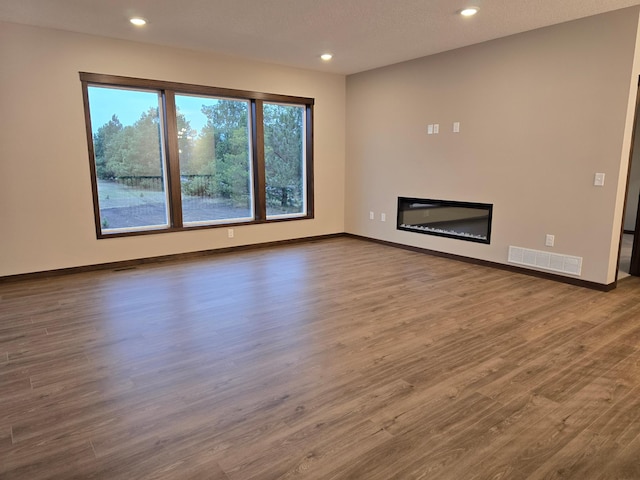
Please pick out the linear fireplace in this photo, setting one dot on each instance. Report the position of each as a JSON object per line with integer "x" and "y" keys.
{"x": 446, "y": 218}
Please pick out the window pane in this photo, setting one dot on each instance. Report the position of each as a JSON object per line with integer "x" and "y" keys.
{"x": 215, "y": 159}
{"x": 284, "y": 152}
{"x": 129, "y": 158}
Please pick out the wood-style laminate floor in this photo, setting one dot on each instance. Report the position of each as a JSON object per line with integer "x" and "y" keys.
{"x": 335, "y": 359}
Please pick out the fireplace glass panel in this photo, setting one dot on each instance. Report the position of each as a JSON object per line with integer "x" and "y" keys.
{"x": 446, "y": 218}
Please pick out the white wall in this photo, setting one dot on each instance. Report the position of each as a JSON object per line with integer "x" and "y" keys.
{"x": 46, "y": 213}
{"x": 540, "y": 113}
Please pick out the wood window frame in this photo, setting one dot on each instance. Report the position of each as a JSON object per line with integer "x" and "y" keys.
{"x": 168, "y": 91}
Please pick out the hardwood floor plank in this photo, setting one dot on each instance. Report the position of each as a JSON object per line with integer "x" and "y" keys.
{"x": 6, "y": 441}
{"x": 336, "y": 359}
{"x": 597, "y": 445}
{"x": 59, "y": 459}
{"x": 623, "y": 464}
{"x": 470, "y": 454}
{"x": 565, "y": 383}
{"x": 553, "y": 433}
{"x": 330, "y": 445}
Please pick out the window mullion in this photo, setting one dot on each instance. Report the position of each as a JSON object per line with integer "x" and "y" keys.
{"x": 259, "y": 174}
{"x": 309, "y": 158}
{"x": 173, "y": 159}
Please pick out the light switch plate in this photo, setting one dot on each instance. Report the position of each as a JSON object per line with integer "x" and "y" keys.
{"x": 456, "y": 127}
{"x": 599, "y": 180}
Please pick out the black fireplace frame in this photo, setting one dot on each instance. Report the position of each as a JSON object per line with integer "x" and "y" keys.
{"x": 432, "y": 203}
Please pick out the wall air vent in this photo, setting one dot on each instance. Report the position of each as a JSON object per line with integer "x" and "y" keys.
{"x": 546, "y": 261}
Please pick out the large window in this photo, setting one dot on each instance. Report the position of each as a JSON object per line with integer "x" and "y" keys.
{"x": 214, "y": 148}
{"x": 167, "y": 156}
{"x": 284, "y": 154}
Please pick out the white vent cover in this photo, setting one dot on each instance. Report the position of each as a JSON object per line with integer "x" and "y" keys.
{"x": 545, "y": 260}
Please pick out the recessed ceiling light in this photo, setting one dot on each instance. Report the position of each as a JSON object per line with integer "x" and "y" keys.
{"x": 138, "y": 22}
{"x": 326, "y": 57}
{"x": 469, "y": 11}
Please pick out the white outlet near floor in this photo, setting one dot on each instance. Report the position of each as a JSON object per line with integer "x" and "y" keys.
{"x": 598, "y": 181}
{"x": 549, "y": 240}
{"x": 371, "y": 216}
{"x": 230, "y": 232}
{"x": 383, "y": 217}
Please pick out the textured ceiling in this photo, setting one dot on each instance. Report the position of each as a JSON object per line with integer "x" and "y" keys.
{"x": 362, "y": 34}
